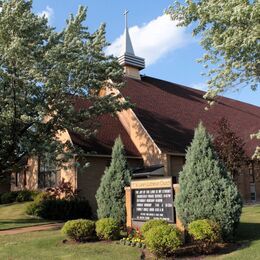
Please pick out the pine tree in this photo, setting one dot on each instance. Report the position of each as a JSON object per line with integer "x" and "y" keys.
{"x": 111, "y": 194}
{"x": 206, "y": 188}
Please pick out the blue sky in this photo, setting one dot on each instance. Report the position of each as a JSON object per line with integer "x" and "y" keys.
{"x": 170, "y": 52}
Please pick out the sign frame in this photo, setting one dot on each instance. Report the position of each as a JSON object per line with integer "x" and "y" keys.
{"x": 152, "y": 184}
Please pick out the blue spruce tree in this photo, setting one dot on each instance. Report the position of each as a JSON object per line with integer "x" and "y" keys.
{"x": 111, "y": 194}
{"x": 206, "y": 188}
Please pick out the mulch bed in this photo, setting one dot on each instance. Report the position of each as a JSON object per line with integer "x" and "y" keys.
{"x": 190, "y": 251}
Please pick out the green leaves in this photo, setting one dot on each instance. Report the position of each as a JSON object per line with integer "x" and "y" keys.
{"x": 229, "y": 32}
{"x": 43, "y": 75}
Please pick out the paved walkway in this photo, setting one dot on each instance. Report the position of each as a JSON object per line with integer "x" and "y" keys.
{"x": 31, "y": 229}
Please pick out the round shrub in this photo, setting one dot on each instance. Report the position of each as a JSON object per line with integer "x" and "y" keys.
{"x": 79, "y": 230}
{"x": 108, "y": 229}
{"x": 205, "y": 230}
{"x": 163, "y": 240}
{"x": 152, "y": 223}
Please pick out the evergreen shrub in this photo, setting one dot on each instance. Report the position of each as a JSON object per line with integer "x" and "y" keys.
{"x": 108, "y": 229}
{"x": 152, "y": 223}
{"x": 163, "y": 240}
{"x": 207, "y": 190}
{"x": 111, "y": 192}
{"x": 79, "y": 230}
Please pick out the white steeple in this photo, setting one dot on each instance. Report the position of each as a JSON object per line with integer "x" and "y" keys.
{"x": 131, "y": 63}
{"x": 127, "y": 47}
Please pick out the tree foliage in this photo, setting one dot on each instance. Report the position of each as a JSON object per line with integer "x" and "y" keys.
{"x": 229, "y": 32}
{"x": 111, "y": 193}
{"x": 206, "y": 188}
{"x": 43, "y": 73}
{"x": 230, "y": 147}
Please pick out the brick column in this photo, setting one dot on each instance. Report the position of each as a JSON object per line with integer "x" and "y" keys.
{"x": 128, "y": 204}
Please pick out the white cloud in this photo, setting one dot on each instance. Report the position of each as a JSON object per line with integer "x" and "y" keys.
{"x": 153, "y": 40}
{"x": 48, "y": 13}
{"x": 1, "y": 8}
{"x": 200, "y": 86}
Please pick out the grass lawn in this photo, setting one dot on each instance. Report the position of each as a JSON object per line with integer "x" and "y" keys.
{"x": 248, "y": 236}
{"x": 48, "y": 245}
{"x": 13, "y": 216}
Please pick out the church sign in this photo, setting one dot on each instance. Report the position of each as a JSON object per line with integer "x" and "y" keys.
{"x": 152, "y": 199}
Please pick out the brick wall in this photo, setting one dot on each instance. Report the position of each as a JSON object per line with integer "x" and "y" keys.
{"x": 88, "y": 180}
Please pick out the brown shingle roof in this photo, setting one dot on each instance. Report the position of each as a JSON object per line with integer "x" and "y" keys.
{"x": 170, "y": 112}
{"x": 102, "y": 143}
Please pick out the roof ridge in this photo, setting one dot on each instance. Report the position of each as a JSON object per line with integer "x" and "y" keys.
{"x": 197, "y": 90}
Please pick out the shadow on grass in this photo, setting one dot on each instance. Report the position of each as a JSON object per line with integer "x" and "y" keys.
{"x": 20, "y": 223}
{"x": 248, "y": 231}
{"x": 246, "y": 234}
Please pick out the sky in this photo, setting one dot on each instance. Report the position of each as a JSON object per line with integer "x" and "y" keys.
{"x": 170, "y": 52}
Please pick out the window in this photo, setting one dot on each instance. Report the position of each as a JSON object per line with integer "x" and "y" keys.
{"x": 16, "y": 179}
{"x": 252, "y": 192}
{"x": 24, "y": 178}
{"x": 47, "y": 174}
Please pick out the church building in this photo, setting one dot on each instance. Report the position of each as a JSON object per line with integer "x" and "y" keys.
{"x": 155, "y": 133}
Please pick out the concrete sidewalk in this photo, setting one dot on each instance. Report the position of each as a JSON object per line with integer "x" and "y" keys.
{"x": 31, "y": 229}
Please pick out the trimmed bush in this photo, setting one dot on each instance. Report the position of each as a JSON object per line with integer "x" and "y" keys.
{"x": 26, "y": 195}
{"x": 50, "y": 208}
{"x": 79, "y": 230}
{"x": 36, "y": 208}
{"x": 19, "y": 196}
{"x": 9, "y": 197}
{"x": 108, "y": 229}
{"x": 152, "y": 223}
{"x": 163, "y": 240}
{"x": 205, "y": 230}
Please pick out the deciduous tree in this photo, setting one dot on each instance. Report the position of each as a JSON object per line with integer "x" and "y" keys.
{"x": 41, "y": 73}
{"x": 229, "y": 147}
{"x": 229, "y": 32}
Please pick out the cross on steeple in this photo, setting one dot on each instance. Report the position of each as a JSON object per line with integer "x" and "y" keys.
{"x": 125, "y": 14}
{"x": 130, "y": 62}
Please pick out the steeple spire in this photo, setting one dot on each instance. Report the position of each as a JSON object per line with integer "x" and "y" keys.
{"x": 128, "y": 47}
{"x": 131, "y": 63}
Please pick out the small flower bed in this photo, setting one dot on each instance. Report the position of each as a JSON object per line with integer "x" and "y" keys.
{"x": 134, "y": 238}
